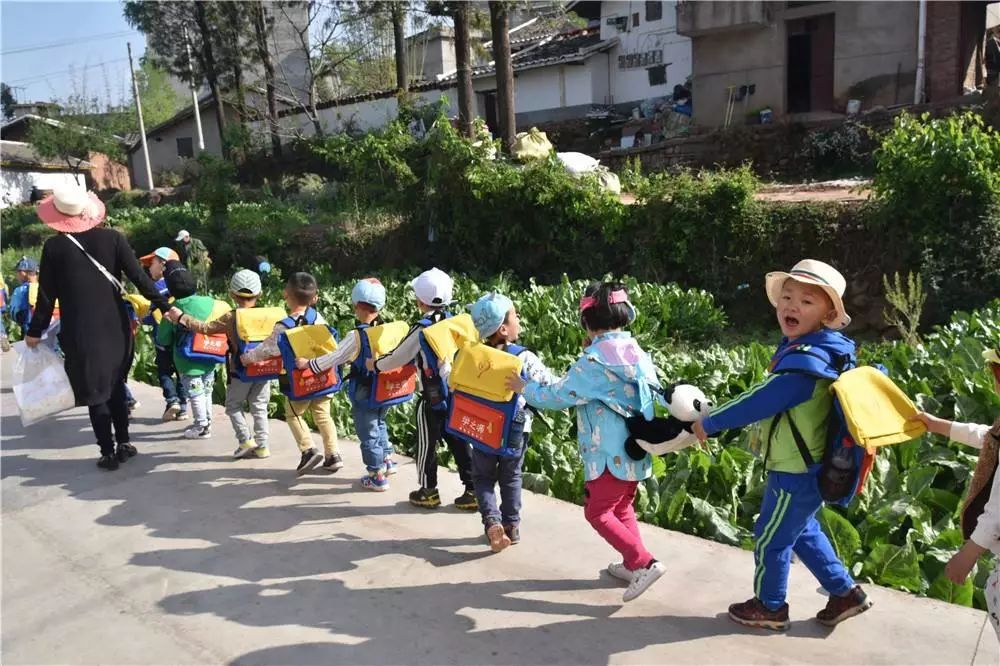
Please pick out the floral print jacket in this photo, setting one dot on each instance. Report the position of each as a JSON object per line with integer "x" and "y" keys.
{"x": 609, "y": 382}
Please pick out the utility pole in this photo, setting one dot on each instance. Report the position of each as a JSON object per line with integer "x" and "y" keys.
{"x": 138, "y": 110}
{"x": 194, "y": 94}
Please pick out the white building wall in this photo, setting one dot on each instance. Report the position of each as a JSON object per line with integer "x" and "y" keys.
{"x": 163, "y": 146}
{"x": 632, "y": 84}
{"x": 16, "y": 184}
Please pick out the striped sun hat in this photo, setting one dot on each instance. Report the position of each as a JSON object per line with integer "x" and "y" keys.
{"x": 810, "y": 271}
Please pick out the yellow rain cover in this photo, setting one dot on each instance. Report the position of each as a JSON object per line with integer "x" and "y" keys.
{"x": 875, "y": 409}
{"x": 447, "y": 336}
{"x": 383, "y": 339}
{"x": 139, "y": 304}
{"x": 218, "y": 309}
{"x": 482, "y": 371}
{"x": 257, "y": 324}
{"x": 33, "y": 298}
{"x": 311, "y": 341}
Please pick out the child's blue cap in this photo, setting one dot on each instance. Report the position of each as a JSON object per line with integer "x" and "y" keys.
{"x": 489, "y": 312}
{"x": 27, "y": 264}
{"x": 370, "y": 291}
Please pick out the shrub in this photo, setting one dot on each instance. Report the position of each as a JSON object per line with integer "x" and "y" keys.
{"x": 939, "y": 181}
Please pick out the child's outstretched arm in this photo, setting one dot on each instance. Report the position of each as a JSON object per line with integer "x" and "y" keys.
{"x": 776, "y": 394}
{"x": 985, "y": 537}
{"x": 970, "y": 434}
{"x": 561, "y": 394}
{"x": 405, "y": 352}
{"x": 536, "y": 371}
{"x": 213, "y": 327}
{"x": 345, "y": 352}
{"x": 266, "y": 349}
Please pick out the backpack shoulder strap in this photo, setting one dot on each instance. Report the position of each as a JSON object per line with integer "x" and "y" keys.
{"x": 515, "y": 349}
{"x": 800, "y": 442}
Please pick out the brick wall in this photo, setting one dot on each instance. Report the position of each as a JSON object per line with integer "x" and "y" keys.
{"x": 954, "y": 47}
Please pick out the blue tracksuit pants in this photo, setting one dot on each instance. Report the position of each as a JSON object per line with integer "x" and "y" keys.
{"x": 788, "y": 523}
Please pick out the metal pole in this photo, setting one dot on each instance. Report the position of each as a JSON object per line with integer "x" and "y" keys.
{"x": 918, "y": 84}
{"x": 138, "y": 111}
{"x": 194, "y": 94}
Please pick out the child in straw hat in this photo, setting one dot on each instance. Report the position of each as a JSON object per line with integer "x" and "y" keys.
{"x": 792, "y": 407}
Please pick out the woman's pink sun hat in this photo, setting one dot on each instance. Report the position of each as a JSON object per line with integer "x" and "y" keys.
{"x": 71, "y": 210}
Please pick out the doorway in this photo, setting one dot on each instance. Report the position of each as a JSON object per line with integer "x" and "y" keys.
{"x": 810, "y": 64}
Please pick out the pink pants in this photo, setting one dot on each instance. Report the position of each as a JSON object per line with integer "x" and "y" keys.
{"x": 608, "y": 509}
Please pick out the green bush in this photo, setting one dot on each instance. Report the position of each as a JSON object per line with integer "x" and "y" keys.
{"x": 13, "y": 223}
{"x": 939, "y": 183}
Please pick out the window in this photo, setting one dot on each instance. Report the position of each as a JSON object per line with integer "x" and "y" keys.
{"x": 657, "y": 75}
{"x": 654, "y": 11}
{"x": 635, "y": 20}
{"x": 185, "y": 147}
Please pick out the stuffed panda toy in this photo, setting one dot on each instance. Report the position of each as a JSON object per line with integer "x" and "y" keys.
{"x": 660, "y": 436}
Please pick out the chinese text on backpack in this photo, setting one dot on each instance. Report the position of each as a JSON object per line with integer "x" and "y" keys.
{"x": 253, "y": 326}
{"x": 440, "y": 341}
{"x": 392, "y": 387}
{"x": 307, "y": 339}
{"x": 205, "y": 348}
{"x": 483, "y": 411}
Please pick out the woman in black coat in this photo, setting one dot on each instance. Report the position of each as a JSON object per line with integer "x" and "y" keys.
{"x": 95, "y": 332}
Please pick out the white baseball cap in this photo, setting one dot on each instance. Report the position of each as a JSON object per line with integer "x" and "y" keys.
{"x": 182, "y": 235}
{"x": 433, "y": 288}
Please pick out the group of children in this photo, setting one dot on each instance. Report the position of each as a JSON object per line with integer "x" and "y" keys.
{"x": 613, "y": 379}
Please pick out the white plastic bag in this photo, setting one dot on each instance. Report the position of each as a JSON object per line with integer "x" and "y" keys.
{"x": 578, "y": 164}
{"x": 41, "y": 386}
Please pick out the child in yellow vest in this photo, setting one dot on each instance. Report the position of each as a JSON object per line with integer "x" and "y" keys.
{"x": 245, "y": 289}
{"x": 368, "y": 298}
{"x": 301, "y": 293}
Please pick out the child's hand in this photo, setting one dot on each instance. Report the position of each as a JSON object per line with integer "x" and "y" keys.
{"x": 961, "y": 563}
{"x": 699, "y": 431}
{"x": 370, "y": 364}
{"x": 932, "y": 423}
{"x": 301, "y": 363}
{"x": 516, "y": 383}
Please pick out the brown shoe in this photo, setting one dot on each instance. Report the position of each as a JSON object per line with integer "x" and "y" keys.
{"x": 839, "y": 609}
{"x": 753, "y": 613}
{"x": 498, "y": 538}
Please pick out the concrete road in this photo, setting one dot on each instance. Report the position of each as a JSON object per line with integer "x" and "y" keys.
{"x": 184, "y": 556}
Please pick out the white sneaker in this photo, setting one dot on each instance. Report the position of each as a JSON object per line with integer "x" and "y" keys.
{"x": 197, "y": 432}
{"x": 619, "y": 571}
{"x": 642, "y": 579}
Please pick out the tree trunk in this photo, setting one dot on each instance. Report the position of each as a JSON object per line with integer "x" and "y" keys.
{"x": 260, "y": 30}
{"x": 398, "y": 10}
{"x": 314, "y": 115}
{"x": 210, "y": 72}
{"x": 463, "y": 63}
{"x": 504, "y": 72}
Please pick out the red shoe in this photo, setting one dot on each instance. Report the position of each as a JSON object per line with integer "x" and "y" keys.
{"x": 839, "y": 609}
{"x": 753, "y": 613}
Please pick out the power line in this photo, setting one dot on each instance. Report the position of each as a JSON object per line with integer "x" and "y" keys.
{"x": 68, "y": 42}
{"x": 41, "y": 77}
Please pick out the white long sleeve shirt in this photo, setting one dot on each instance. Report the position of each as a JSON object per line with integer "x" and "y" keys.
{"x": 535, "y": 371}
{"x": 987, "y": 532}
{"x": 970, "y": 434}
{"x": 344, "y": 353}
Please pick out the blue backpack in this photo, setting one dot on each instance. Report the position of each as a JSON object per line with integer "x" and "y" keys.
{"x": 845, "y": 464}
{"x": 434, "y": 389}
{"x": 304, "y": 384}
{"x": 385, "y": 389}
{"x": 496, "y": 428}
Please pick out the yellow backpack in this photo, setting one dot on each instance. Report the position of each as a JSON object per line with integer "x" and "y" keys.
{"x": 446, "y": 337}
{"x": 482, "y": 371}
{"x": 253, "y": 326}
